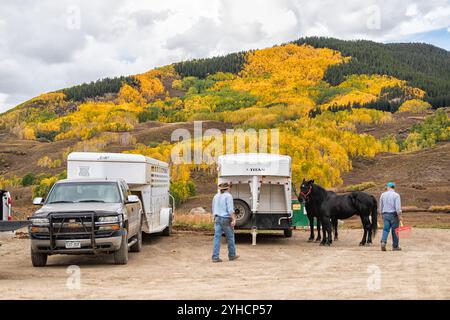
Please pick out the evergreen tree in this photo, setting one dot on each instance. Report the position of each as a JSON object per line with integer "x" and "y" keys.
{"x": 422, "y": 65}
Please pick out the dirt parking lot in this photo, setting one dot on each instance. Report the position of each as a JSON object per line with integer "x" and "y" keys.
{"x": 179, "y": 267}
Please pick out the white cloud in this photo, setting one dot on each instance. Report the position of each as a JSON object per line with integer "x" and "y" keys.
{"x": 48, "y": 45}
{"x": 412, "y": 10}
{"x": 3, "y": 98}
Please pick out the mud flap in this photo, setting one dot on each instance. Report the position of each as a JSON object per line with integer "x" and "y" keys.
{"x": 165, "y": 216}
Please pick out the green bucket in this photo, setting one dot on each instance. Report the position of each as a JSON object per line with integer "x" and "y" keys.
{"x": 299, "y": 219}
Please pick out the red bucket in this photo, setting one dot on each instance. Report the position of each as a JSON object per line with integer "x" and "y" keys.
{"x": 403, "y": 231}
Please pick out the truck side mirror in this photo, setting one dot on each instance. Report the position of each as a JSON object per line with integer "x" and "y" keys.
{"x": 38, "y": 201}
{"x": 132, "y": 199}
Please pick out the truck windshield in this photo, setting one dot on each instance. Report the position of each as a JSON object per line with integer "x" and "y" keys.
{"x": 72, "y": 192}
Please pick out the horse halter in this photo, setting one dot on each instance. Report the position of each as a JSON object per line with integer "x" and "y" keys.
{"x": 305, "y": 195}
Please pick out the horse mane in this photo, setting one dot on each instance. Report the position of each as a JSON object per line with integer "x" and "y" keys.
{"x": 320, "y": 188}
{"x": 320, "y": 191}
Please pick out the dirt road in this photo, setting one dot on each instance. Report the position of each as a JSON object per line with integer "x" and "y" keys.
{"x": 178, "y": 267}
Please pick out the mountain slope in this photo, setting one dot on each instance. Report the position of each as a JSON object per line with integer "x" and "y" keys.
{"x": 316, "y": 96}
{"x": 422, "y": 65}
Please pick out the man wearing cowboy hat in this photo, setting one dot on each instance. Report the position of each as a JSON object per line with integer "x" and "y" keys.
{"x": 224, "y": 221}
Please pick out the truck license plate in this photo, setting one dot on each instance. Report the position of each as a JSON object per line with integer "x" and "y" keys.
{"x": 70, "y": 244}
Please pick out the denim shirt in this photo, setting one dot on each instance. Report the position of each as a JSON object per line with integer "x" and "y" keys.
{"x": 222, "y": 205}
{"x": 390, "y": 202}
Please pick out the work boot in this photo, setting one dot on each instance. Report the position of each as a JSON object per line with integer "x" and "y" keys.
{"x": 233, "y": 257}
{"x": 383, "y": 246}
{"x": 396, "y": 249}
{"x": 217, "y": 260}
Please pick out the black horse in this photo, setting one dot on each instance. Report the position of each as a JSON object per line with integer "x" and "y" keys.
{"x": 329, "y": 207}
{"x": 310, "y": 213}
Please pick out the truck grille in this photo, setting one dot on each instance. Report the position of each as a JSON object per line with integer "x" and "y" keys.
{"x": 80, "y": 223}
{"x": 73, "y": 226}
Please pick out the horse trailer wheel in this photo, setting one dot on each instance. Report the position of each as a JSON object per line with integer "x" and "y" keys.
{"x": 242, "y": 212}
{"x": 287, "y": 233}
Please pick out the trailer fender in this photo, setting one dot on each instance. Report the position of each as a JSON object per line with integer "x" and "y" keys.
{"x": 165, "y": 216}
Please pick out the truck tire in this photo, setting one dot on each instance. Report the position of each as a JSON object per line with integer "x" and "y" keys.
{"x": 38, "y": 259}
{"x": 287, "y": 233}
{"x": 137, "y": 247}
{"x": 121, "y": 255}
{"x": 242, "y": 212}
{"x": 168, "y": 230}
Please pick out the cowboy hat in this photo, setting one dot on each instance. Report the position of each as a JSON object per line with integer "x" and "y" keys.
{"x": 224, "y": 186}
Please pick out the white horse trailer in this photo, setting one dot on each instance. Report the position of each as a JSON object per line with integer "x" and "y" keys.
{"x": 146, "y": 177}
{"x": 261, "y": 189}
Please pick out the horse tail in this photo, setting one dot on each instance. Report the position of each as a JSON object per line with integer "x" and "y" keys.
{"x": 374, "y": 215}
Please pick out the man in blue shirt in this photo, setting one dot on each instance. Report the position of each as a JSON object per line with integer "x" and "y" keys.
{"x": 224, "y": 221}
{"x": 391, "y": 210}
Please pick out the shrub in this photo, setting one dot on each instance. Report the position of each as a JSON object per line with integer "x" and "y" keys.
{"x": 46, "y": 183}
{"x": 47, "y": 135}
{"x": 46, "y": 162}
{"x": 43, "y": 188}
{"x": 414, "y": 106}
{"x": 360, "y": 187}
{"x": 435, "y": 128}
{"x": 191, "y": 188}
{"x": 182, "y": 190}
{"x": 12, "y": 182}
{"x": 390, "y": 143}
{"x": 28, "y": 179}
{"x": 443, "y": 208}
{"x": 149, "y": 114}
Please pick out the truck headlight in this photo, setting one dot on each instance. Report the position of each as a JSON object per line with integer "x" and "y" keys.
{"x": 40, "y": 222}
{"x": 109, "y": 219}
{"x": 35, "y": 229}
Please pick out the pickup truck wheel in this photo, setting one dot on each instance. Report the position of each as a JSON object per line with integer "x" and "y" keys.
{"x": 121, "y": 255}
{"x": 168, "y": 230}
{"x": 287, "y": 233}
{"x": 38, "y": 259}
{"x": 138, "y": 245}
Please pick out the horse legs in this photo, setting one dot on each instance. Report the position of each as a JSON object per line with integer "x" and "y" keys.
{"x": 329, "y": 231}
{"x": 326, "y": 227}
{"x": 319, "y": 237}
{"x": 324, "y": 232}
{"x": 335, "y": 227}
{"x": 366, "y": 225}
{"x": 369, "y": 230}
{"x": 311, "y": 227}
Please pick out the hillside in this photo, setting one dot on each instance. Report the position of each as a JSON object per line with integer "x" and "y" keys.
{"x": 333, "y": 102}
{"x": 422, "y": 65}
{"x": 422, "y": 176}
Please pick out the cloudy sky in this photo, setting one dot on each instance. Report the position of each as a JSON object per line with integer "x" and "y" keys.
{"x": 47, "y": 45}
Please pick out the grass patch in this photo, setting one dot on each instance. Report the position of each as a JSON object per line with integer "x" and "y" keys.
{"x": 360, "y": 187}
{"x": 445, "y": 208}
{"x": 434, "y": 225}
{"x": 194, "y": 221}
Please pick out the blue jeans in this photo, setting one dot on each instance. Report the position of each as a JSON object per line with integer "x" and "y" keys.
{"x": 391, "y": 222}
{"x": 223, "y": 225}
